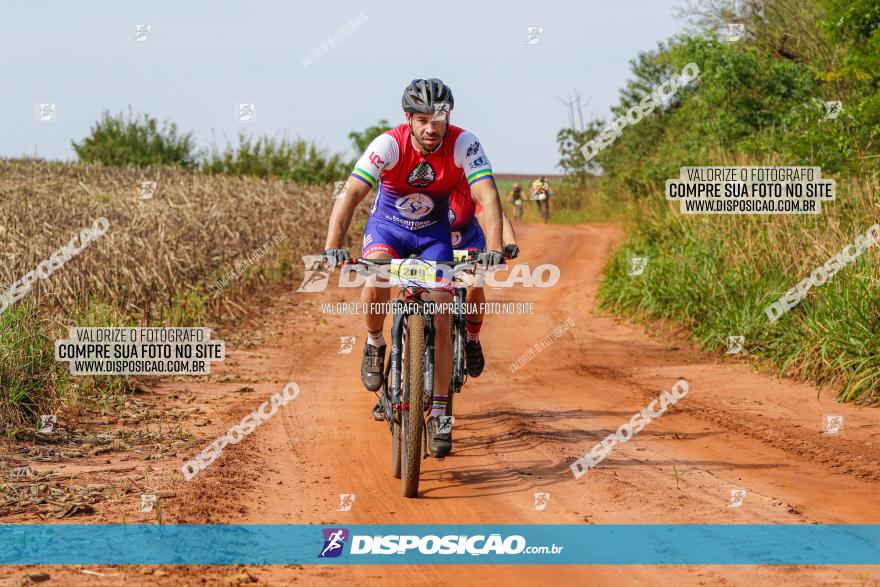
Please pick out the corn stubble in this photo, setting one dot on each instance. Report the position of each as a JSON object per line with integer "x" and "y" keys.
{"x": 155, "y": 264}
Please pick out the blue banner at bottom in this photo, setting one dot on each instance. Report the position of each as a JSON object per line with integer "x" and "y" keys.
{"x": 648, "y": 544}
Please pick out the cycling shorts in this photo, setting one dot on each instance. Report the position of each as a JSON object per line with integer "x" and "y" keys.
{"x": 432, "y": 243}
{"x": 470, "y": 238}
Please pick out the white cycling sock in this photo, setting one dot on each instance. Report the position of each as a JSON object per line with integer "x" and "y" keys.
{"x": 438, "y": 405}
{"x": 376, "y": 339}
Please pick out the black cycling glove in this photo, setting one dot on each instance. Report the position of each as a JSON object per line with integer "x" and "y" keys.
{"x": 490, "y": 258}
{"x": 511, "y": 251}
{"x": 335, "y": 257}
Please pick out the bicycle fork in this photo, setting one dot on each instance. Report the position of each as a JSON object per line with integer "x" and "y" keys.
{"x": 395, "y": 365}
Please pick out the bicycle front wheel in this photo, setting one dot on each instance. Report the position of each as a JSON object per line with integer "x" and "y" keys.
{"x": 411, "y": 414}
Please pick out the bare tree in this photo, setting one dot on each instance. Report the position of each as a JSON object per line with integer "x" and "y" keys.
{"x": 576, "y": 105}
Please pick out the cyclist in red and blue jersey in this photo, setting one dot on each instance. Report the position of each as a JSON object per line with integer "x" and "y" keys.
{"x": 416, "y": 165}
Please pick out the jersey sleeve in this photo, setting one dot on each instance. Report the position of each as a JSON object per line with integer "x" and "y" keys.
{"x": 380, "y": 155}
{"x": 469, "y": 155}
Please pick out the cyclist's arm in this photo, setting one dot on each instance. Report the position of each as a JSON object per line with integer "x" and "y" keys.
{"x": 343, "y": 210}
{"x": 380, "y": 155}
{"x": 507, "y": 233}
{"x": 469, "y": 155}
{"x": 486, "y": 194}
{"x": 508, "y": 236}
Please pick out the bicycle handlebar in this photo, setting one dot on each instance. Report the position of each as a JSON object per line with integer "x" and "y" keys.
{"x": 364, "y": 260}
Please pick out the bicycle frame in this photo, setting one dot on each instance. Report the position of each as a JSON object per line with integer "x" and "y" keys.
{"x": 459, "y": 336}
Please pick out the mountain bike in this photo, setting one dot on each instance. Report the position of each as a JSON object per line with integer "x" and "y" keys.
{"x": 407, "y": 391}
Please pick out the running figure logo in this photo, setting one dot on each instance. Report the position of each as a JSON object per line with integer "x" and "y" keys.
{"x": 832, "y": 109}
{"x": 147, "y": 502}
{"x": 737, "y": 497}
{"x": 339, "y": 189}
{"x": 735, "y": 32}
{"x": 334, "y": 540}
{"x": 440, "y": 111}
{"x": 446, "y": 423}
{"x": 735, "y": 344}
{"x": 534, "y": 35}
{"x": 46, "y": 112}
{"x": 541, "y": 500}
{"x": 245, "y": 112}
{"x": 141, "y": 32}
{"x": 346, "y": 500}
{"x": 47, "y": 424}
{"x": 346, "y": 343}
{"x": 833, "y": 425}
{"x": 316, "y": 276}
{"x": 148, "y": 188}
{"x": 637, "y": 266}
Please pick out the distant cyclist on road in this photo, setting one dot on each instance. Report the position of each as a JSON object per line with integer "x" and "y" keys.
{"x": 416, "y": 166}
{"x": 515, "y": 198}
{"x": 541, "y": 192}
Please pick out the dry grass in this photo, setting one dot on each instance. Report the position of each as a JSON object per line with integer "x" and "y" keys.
{"x": 155, "y": 264}
{"x": 192, "y": 231}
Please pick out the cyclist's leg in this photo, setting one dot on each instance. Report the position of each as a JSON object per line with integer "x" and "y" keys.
{"x": 436, "y": 245}
{"x": 473, "y": 239}
{"x": 381, "y": 241}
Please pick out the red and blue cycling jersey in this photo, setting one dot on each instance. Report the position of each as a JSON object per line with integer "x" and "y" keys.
{"x": 410, "y": 214}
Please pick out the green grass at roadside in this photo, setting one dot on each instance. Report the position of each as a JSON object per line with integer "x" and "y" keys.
{"x": 716, "y": 274}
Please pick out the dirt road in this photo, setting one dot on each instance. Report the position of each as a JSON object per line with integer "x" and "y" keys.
{"x": 517, "y": 434}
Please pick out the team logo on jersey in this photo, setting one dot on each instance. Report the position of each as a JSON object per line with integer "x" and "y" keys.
{"x": 451, "y": 216}
{"x": 456, "y": 238}
{"x": 422, "y": 175}
{"x": 479, "y": 162}
{"x": 472, "y": 150}
{"x": 414, "y": 206}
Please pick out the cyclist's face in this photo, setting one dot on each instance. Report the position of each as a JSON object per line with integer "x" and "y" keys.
{"x": 429, "y": 130}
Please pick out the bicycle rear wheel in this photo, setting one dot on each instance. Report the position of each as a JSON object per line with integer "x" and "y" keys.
{"x": 411, "y": 417}
{"x": 395, "y": 450}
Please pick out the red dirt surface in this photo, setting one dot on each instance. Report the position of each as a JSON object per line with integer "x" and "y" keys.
{"x": 515, "y": 434}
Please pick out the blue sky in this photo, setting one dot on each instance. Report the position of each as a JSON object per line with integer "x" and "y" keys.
{"x": 202, "y": 58}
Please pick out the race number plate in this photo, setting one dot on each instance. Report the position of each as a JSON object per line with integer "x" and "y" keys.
{"x": 414, "y": 272}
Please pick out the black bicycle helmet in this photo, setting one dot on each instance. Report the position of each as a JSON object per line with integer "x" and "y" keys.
{"x": 427, "y": 96}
